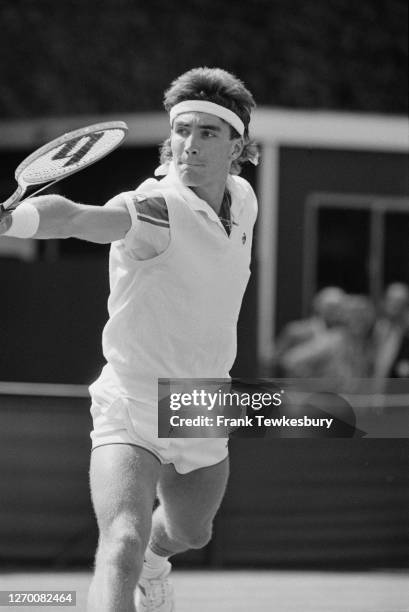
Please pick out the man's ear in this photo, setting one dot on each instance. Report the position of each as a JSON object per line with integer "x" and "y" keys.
{"x": 237, "y": 148}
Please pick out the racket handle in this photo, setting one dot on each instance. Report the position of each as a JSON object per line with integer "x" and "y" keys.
{"x": 21, "y": 194}
{"x": 13, "y": 200}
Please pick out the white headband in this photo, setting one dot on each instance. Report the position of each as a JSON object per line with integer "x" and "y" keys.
{"x": 203, "y": 106}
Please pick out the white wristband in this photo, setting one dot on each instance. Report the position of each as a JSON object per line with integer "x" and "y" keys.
{"x": 25, "y": 221}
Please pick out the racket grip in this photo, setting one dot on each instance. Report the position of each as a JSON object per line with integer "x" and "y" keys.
{"x": 13, "y": 200}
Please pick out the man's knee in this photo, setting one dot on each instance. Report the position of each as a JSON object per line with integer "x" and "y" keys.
{"x": 122, "y": 547}
{"x": 194, "y": 536}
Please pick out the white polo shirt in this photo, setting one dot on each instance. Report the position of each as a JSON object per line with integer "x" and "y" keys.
{"x": 174, "y": 314}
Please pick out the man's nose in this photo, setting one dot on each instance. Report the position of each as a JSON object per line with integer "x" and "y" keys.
{"x": 192, "y": 145}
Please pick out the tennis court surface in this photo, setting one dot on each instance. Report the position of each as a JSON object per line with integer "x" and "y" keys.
{"x": 248, "y": 591}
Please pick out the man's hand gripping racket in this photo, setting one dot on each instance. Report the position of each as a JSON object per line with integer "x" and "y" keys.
{"x": 62, "y": 157}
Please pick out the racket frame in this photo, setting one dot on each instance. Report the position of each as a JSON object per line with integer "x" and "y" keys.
{"x": 18, "y": 196}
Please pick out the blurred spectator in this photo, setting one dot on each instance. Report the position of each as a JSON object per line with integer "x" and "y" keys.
{"x": 360, "y": 318}
{"x": 340, "y": 353}
{"x": 391, "y": 334}
{"x": 326, "y": 315}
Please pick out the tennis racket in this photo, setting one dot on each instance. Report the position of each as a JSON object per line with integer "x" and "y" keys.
{"x": 62, "y": 157}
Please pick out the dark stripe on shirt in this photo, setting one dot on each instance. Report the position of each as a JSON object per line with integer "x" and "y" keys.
{"x": 154, "y": 207}
{"x": 152, "y": 221}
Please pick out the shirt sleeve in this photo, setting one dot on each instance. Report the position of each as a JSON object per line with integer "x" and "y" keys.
{"x": 149, "y": 234}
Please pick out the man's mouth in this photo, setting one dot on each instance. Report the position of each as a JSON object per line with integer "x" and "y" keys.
{"x": 190, "y": 164}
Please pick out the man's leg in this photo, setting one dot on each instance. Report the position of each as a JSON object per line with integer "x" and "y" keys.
{"x": 123, "y": 486}
{"x": 189, "y": 503}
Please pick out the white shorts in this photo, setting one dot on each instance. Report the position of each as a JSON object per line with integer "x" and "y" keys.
{"x": 124, "y": 421}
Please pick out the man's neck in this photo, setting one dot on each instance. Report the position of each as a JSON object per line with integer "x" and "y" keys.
{"x": 213, "y": 195}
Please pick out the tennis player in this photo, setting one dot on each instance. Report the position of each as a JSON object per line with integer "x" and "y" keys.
{"x": 179, "y": 266}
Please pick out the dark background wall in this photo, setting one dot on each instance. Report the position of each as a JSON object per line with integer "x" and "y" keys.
{"x": 304, "y": 171}
{"x": 83, "y": 56}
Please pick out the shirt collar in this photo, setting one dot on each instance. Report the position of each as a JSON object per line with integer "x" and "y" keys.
{"x": 172, "y": 178}
{"x": 237, "y": 198}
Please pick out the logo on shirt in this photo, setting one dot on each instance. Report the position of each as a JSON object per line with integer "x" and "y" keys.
{"x": 244, "y": 238}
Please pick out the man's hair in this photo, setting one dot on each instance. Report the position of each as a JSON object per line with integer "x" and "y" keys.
{"x": 223, "y": 88}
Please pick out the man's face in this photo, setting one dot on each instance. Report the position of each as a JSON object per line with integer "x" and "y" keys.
{"x": 202, "y": 148}
{"x": 396, "y": 302}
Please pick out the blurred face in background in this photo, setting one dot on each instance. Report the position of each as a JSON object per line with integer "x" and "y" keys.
{"x": 328, "y": 305}
{"x": 396, "y": 301}
{"x": 359, "y": 315}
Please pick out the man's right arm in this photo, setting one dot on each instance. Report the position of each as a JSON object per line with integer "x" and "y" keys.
{"x": 59, "y": 217}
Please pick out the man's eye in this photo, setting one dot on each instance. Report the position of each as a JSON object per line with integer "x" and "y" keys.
{"x": 208, "y": 134}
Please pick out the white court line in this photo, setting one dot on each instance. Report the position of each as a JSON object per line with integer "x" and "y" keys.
{"x": 43, "y": 389}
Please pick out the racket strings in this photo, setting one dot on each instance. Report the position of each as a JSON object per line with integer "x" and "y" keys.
{"x": 69, "y": 156}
